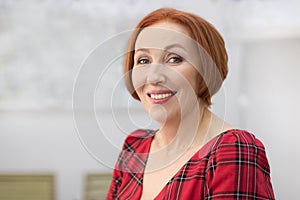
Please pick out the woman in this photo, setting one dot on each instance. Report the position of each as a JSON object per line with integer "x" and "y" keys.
{"x": 176, "y": 61}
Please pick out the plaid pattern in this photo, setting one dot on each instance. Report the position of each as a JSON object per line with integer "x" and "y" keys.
{"x": 232, "y": 165}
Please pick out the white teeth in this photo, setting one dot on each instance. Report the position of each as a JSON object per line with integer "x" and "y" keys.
{"x": 160, "y": 96}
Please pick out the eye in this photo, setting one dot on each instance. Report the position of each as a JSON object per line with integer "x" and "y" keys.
{"x": 175, "y": 59}
{"x": 143, "y": 61}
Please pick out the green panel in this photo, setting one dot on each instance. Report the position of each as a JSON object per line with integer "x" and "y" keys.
{"x": 26, "y": 187}
{"x": 97, "y": 186}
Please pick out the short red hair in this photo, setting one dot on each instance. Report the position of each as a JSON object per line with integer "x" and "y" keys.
{"x": 214, "y": 69}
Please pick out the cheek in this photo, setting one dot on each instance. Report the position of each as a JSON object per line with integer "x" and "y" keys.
{"x": 195, "y": 82}
{"x": 192, "y": 78}
{"x": 138, "y": 78}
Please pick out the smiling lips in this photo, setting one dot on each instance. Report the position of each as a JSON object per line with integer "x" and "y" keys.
{"x": 160, "y": 96}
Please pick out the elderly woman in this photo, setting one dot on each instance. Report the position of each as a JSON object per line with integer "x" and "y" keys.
{"x": 176, "y": 61}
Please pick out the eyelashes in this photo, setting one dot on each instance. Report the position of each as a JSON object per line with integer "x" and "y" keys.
{"x": 172, "y": 59}
{"x": 143, "y": 61}
{"x": 175, "y": 59}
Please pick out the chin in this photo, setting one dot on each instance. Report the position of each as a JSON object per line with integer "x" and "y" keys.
{"x": 162, "y": 115}
{"x": 158, "y": 113}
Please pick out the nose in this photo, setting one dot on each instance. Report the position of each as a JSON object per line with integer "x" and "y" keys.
{"x": 156, "y": 75}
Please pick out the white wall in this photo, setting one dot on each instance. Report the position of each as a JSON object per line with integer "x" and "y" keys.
{"x": 271, "y": 75}
{"x": 47, "y": 142}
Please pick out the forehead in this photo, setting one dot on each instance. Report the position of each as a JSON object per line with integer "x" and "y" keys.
{"x": 161, "y": 35}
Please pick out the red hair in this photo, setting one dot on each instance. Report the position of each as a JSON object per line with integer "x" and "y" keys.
{"x": 214, "y": 67}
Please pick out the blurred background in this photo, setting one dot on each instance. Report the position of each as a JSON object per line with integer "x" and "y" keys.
{"x": 43, "y": 45}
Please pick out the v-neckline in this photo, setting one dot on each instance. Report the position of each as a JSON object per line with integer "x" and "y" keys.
{"x": 201, "y": 152}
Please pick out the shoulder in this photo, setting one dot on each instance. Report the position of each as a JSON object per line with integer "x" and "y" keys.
{"x": 139, "y": 134}
{"x": 239, "y": 146}
{"x": 236, "y": 138}
{"x": 137, "y": 137}
{"x": 134, "y": 152}
{"x": 238, "y": 167}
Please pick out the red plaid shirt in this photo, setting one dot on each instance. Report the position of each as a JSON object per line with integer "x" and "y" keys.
{"x": 233, "y": 165}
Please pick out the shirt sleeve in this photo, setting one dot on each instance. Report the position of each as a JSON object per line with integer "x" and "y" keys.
{"x": 239, "y": 169}
{"x": 115, "y": 183}
{"x": 128, "y": 161}
{"x": 117, "y": 175}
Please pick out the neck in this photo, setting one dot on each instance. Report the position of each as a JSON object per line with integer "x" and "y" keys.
{"x": 184, "y": 134}
{"x": 183, "y": 131}
{"x": 177, "y": 137}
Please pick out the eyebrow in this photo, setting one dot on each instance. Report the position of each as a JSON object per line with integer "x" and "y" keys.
{"x": 174, "y": 46}
{"x": 165, "y": 48}
{"x": 142, "y": 49}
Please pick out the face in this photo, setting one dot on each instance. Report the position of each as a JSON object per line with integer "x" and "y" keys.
{"x": 165, "y": 74}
